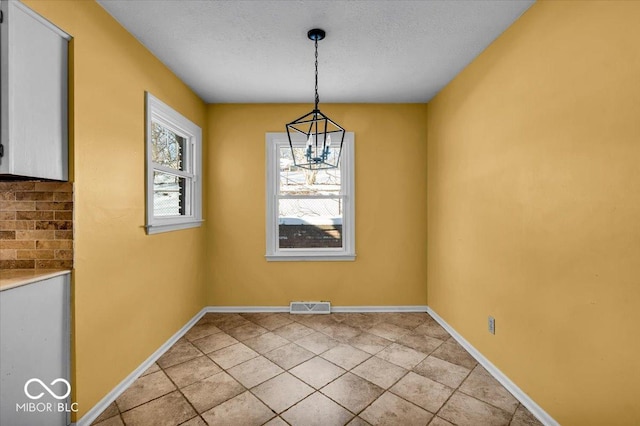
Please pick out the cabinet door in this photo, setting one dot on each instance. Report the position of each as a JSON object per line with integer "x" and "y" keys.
{"x": 35, "y": 337}
{"x": 34, "y": 95}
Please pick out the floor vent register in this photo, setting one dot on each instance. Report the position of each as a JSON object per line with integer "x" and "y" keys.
{"x": 310, "y": 308}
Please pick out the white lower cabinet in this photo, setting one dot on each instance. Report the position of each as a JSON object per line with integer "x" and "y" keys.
{"x": 34, "y": 353}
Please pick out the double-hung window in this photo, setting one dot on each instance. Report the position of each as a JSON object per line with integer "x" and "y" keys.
{"x": 173, "y": 169}
{"x": 310, "y": 214}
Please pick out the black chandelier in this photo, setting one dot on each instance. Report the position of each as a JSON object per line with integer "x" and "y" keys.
{"x": 321, "y": 152}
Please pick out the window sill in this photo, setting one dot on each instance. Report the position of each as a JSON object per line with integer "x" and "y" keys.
{"x": 158, "y": 229}
{"x": 310, "y": 258}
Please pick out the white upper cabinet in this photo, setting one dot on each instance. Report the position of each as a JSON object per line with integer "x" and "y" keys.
{"x": 33, "y": 92}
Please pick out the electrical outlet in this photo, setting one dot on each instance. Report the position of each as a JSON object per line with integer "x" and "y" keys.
{"x": 492, "y": 325}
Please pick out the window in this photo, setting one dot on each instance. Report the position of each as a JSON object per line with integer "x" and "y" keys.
{"x": 310, "y": 214}
{"x": 174, "y": 164}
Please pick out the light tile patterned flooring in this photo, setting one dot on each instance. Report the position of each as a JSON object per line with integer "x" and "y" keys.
{"x": 278, "y": 369}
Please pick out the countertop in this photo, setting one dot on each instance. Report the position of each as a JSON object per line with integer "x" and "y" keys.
{"x": 10, "y": 278}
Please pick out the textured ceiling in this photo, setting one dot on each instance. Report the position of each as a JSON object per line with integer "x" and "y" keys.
{"x": 258, "y": 51}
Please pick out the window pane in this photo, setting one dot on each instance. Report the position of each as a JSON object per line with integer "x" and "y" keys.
{"x": 310, "y": 223}
{"x": 169, "y": 195}
{"x": 167, "y": 147}
{"x": 294, "y": 180}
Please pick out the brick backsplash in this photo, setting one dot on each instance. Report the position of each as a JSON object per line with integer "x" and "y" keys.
{"x": 36, "y": 225}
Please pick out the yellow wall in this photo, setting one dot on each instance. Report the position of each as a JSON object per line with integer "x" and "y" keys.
{"x": 131, "y": 291}
{"x": 534, "y": 207}
{"x": 390, "y": 268}
{"x": 533, "y": 184}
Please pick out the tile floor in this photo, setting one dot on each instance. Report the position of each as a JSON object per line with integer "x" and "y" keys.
{"x": 278, "y": 369}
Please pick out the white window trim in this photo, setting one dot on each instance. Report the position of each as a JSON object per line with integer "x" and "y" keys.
{"x": 159, "y": 111}
{"x": 275, "y": 141}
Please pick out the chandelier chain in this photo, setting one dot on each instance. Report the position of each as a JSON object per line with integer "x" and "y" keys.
{"x": 317, "y": 96}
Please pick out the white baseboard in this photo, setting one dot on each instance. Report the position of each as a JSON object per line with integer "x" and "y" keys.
{"x": 97, "y": 409}
{"x": 400, "y": 308}
{"x": 245, "y": 309}
{"x": 518, "y": 393}
{"x": 341, "y": 309}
